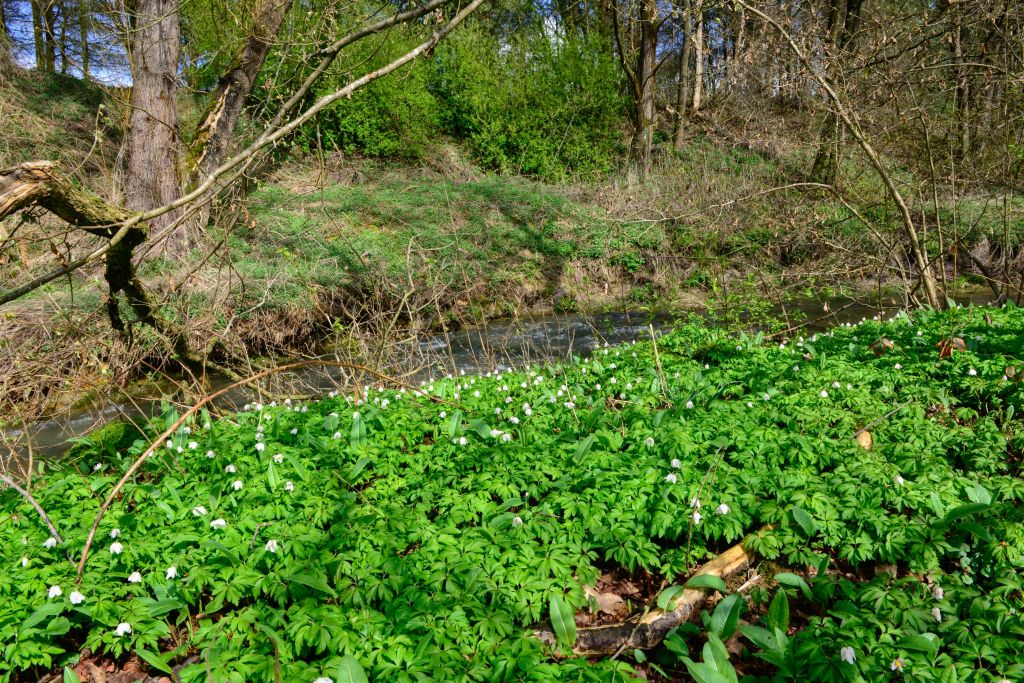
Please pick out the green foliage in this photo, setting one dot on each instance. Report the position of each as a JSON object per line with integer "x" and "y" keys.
{"x": 536, "y": 104}
{"x": 411, "y": 539}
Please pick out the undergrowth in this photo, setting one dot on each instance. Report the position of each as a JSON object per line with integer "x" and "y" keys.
{"x": 416, "y": 539}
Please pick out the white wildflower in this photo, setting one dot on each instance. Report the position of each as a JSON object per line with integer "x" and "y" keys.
{"x": 237, "y": 484}
{"x": 123, "y": 629}
{"x": 517, "y": 521}
{"x": 192, "y": 445}
{"x": 54, "y": 592}
{"x": 271, "y": 546}
{"x": 289, "y": 486}
{"x": 722, "y": 509}
{"x": 649, "y": 442}
{"x": 689, "y": 405}
{"x": 972, "y": 372}
{"x": 76, "y": 598}
{"x": 696, "y": 517}
{"x": 937, "y": 592}
{"x": 937, "y": 613}
{"x": 260, "y": 446}
{"x": 198, "y": 511}
{"x": 114, "y": 533}
{"x": 230, "y": 469}
{"x": 172, "y": 572}
{"x": 279, "y": 458}
{"x": 898, "y": 480}
{"x": 848, "y": 655}
{"x": 135, "y": 577}
{"x": 676, "y": 464}
{"x": 116, "y": 548}
{"x": 671, "y": 478}
{"x": 218, "y": 523}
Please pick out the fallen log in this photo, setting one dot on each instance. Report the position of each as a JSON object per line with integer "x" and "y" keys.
{"x": 647, "y": 630}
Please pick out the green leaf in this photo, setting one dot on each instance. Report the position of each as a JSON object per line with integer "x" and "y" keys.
{"x": 156, "y": 661}
{"x": 583, "y": 447}
{"x": 70, "y": 676}
{"x": 481, "y": 427}
{"x": 563, "y": 620}
{"x": 358, "y": 435}
{"x": 806, "y": 522}
{"x": 47, "y": 611}
{"x": 272, "y": 480}
{"x": 350, "y": 671}
{"x": 726, "y": 616}
{"x": 794, "y": 581}
{"x": 454, "y": 426}
{"x": 314, "y": 582}
{"x": 707, "y": 581}
{"x": 778, "y": 612}
{"x": 922, "y": 642}
{"x": 668, "y": 597}
{"x": 357, "y": 468}
{"x": 977, "y": 493}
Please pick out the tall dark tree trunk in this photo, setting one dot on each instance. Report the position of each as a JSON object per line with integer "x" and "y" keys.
{"x": 698, "y": 54}
{"x": 154, "y": 154}
{"x": 49, "y": 36}
{"x": 645, "y": 86}
{"x": 37, "y": 34}
{"x": 683, "y": 91}
{"x": 84, "y": 24}
{"x": 843, "y": 24}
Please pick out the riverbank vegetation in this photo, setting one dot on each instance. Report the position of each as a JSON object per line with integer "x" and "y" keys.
{"x": 873, "y": 471}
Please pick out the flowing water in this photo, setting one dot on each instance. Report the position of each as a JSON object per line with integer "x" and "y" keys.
{"x": 498, "y": 344}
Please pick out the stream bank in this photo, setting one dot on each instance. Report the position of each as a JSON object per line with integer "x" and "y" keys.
{"x": 498, "y": 344}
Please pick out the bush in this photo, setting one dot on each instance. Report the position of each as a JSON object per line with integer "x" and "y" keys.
{"x": 543, "y": 105}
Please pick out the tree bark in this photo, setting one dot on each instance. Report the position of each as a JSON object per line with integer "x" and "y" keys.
{"x": 683, "y": 92}
{"x": 698, "y": 47}
{"x": 154, "y": 173}
{"x": 842, "y": 28}
{"x": 37, "y": 34}
{"x": 84, "y": 24}
{"x": 645, "y": 86}
{"x": 49, "y": 38}
{"x": 210, "y": 144}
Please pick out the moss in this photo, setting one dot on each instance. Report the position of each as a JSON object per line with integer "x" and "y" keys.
{"x": 105, "y": 441}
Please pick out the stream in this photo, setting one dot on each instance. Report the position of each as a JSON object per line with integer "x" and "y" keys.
{"x": 496, "y": 345}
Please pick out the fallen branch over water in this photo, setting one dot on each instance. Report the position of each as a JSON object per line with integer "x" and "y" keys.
{"x": 650, "y": 628}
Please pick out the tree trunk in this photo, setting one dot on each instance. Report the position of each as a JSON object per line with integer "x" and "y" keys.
{"x": 49, "y": 38}
{"x": 84, "y": 24}
{"x": 5, "y": 44}
{"x": 645, "y": 86}
{"x": 154, "y": 157}
{"x": 698, "y": 47}
{"x": 842, "y": 28}
{"x": 37, "y": 34}
{"x": 683, "y": 92}
{"x": 210, "y": 144}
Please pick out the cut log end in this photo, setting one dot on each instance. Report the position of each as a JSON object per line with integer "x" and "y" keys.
{"x": 647, "y": 630}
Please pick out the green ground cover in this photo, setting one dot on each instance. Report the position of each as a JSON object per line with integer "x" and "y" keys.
{"x": 414, "y": 540}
